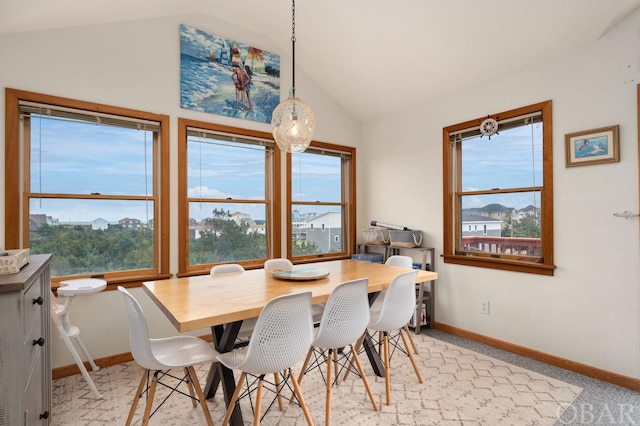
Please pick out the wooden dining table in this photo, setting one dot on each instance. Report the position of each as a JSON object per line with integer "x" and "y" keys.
{"x": 223, "y": 301}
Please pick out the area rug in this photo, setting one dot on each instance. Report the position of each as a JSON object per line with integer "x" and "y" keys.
{"x": 461, "y": 387}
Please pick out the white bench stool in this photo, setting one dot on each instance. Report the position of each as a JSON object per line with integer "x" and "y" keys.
{"x": 60, "y": 315}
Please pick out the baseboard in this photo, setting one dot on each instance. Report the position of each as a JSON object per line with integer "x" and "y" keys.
{"x": 70, "y": 370}
{"x": 576, "y": 367}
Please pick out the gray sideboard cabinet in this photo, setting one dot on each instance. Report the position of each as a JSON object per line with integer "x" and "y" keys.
{"x": 25, "y": 346}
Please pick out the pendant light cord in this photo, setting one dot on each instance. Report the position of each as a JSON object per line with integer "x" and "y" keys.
{"x": 293, "y": 47}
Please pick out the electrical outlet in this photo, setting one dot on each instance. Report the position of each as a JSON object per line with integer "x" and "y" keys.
{"x": 484, "y": 307}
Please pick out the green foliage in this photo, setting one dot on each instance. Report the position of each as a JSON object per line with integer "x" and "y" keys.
{"x": 82, "y": 250}
{"x": 528, "y": 227}
{"x": 224, "y": 240}
{"x": 300, "y": 248}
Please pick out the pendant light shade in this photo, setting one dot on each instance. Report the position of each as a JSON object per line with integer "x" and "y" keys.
{"x": 292, "y": 121}
{"x": 292, "y": 125}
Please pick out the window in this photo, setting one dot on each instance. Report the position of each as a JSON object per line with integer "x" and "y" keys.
{"x": 321, "y": 202}
{"x": 92, "y": 185}
{"x": 504, "y": 183}
{"x": 228, "y": 182}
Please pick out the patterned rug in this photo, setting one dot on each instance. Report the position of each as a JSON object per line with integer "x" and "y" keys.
{"x": 461, "y": 387}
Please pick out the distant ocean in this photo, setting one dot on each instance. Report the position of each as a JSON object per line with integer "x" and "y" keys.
{"x": 207, "y": 86}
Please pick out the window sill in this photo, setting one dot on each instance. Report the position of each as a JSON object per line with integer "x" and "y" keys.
{"x": 501, "y": 264}
{"x": 125, "y": 281}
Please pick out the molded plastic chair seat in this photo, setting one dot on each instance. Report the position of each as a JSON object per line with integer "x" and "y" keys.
{"x": 281, "y": 338}
{"x": 160, "y": 355}
{"x": 403, "y": 262}
{"x": 281, "y": 263}
{"x": 395, "y": 260}
{"x": 344, "y": 320}
{"x": 397, "y": 308}
{"x": 247, "y": 326}
{"x": 277, "y": 264}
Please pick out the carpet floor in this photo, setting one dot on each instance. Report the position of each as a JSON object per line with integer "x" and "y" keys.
{"x": 461, "y": 387}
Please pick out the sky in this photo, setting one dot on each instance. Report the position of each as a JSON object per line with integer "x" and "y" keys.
{"x": 114, "y": 161}
{"x": 510, "y": 159}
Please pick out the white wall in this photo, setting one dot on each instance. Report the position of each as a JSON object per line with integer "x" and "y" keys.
{"x": 589, "y": 311}
{"x": 137, "y": 65}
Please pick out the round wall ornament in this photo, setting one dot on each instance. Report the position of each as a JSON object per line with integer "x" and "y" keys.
{"x": 489, "y": 127}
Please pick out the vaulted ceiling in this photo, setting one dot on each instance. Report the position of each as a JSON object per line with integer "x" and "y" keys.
{"x": 373, "y": 56}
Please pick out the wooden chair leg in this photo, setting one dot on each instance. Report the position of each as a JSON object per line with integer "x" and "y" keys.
{"x": 303, "y": 369}
{"x": 258, "y": 409}
{"x": 387, "y": 369}
{"x": 137, "y": 397}
{"x": 305, "y": 365}
{"x": 276, "y": 378}
{"x": 335, "y": 363}
{"x": 327, "y": 409}
{"x": 356, "y": 349}
{"x": 298, "y": 392}
{"x": 203, "y": 402}
{"x": 234, "y": 399}
{"x": 190, "y": 386}
{"x": 151, "y": 394}
{"x": 413, "y": 343}
{"x": 413, "y": 361}
{"x": 364, "y": 379}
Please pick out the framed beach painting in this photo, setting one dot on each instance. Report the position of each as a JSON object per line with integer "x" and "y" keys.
{"x": 227, "y": 77}
{"x": 592, "y": 146}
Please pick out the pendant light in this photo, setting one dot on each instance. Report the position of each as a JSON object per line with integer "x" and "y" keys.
{"x": 292, "y": 121}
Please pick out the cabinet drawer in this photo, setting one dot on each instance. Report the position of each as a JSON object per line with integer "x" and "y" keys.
{"x": 31, "y": 308}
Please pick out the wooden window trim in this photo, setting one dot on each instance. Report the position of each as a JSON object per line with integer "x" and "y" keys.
{"x": 273, "y": 197}
{"x": 546, "y": 267}
{"x": 348, "y": 194}
{"x": 15, "y": 202}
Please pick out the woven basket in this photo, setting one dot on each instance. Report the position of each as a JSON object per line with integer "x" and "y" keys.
{"x": 405, "y": 238}
{"x": 375, "y": 235}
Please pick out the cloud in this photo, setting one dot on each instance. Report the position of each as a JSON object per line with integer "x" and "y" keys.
{"x": 206, "y": 192}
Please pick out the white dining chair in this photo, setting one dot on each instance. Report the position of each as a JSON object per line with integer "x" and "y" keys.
{"x": 248, "y": 324}
{"x": 403, "y": 262}
{"x": 344, "y": 320}
{"x": 397, "y": 308}
{"x": 226, "y": 268}
{"x": 158, "y": 356}
{"x": 280, "y": 263}
{"x": 280, "y": 340}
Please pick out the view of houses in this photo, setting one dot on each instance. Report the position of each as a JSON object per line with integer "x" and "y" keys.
{"x": 99, "y": 224}
{"x": 325, "y": 229}
{"x": 492, "y": 219}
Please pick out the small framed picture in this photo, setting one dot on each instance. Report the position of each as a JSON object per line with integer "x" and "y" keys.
{"x": 592, "y": 146}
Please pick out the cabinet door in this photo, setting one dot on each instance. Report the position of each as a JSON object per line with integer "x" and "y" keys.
{"x": 34, "y": 412}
